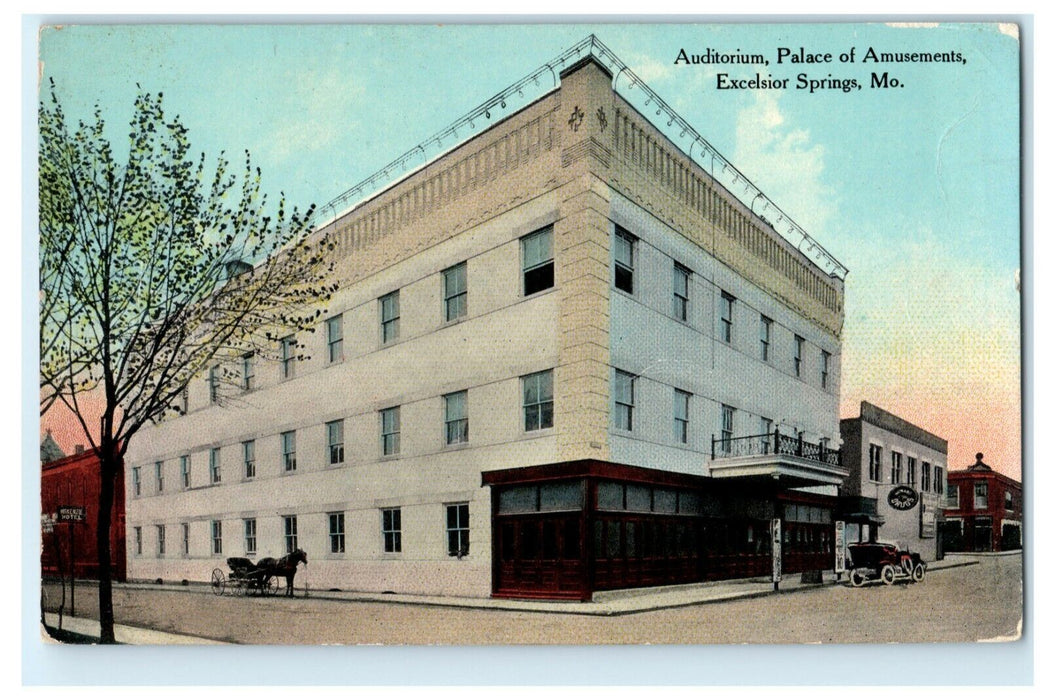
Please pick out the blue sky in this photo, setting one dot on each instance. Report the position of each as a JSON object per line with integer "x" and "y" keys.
{"x": 914, "y": 189}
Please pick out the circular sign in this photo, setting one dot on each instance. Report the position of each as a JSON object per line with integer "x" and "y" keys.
{"x": 902, "y": 498}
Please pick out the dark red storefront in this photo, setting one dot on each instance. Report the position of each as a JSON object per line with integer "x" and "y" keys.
{"x": 567, "y": 530}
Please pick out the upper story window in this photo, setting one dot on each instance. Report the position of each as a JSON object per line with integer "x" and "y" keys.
{"x": 896, "y": 467}
{"x": 538, "y": 400}
{"x": 287, "y": 357}
{"x": 624, "y": 382}
{"x": 136, "y": 480}
{"x": 938, "y": 479}
{"x": 767, "y": 429}
{"x": 215, "y": 465}
{"x": 911, "y": 470}
{"x": 455, "y": 292}
{"x": 249, "y": 459}
{"x": 625, "y": 244}
{"x": 765, "y": 339}
{"x": 334, "y": 338}
{"x": 159, "y": 467}
{"x": 183, "y": 468}
{"x": 727, "y": 422}
{"x": 798, "y": 354}
{"x": 681, "y": 405}
{"x": 926, "y": 476}
{"x": 981, "y": 495}
{"x": 389, "y": 310}
{"x": 826, "y": 371}
{"x": 212, "y": 385}
{"x": 727, "y": 310}
{"x": 875, "y": 463}
{"x": 456, "y": 418}
{"x": 952, "y": 498}
{"x": 336, "y": 442}
{"x": 287, "y": 446}
{"x": 247, "y": 371}
{"x": 391, "y": 431}
{"x": 536, "y": 260}
{"x": 681, "y": 284}
{"x": 1008, "y": 503}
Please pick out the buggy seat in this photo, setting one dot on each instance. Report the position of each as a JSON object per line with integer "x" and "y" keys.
{"x": 240, "y": 566}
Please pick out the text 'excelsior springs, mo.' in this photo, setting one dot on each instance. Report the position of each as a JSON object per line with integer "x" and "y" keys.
{"x": 879, "y": 78}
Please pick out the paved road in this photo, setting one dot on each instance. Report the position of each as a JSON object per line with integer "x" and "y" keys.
{"x": 954, "y": 605}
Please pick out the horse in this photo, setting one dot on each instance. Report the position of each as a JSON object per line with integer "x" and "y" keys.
{"x": 285, "y": 568}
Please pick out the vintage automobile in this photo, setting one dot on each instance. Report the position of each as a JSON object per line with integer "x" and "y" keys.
{"x": 885, "y": 561}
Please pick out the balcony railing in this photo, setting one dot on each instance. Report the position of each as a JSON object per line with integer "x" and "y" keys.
{"x": 773, "y": 444}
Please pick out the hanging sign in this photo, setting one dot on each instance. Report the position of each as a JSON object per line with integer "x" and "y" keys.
{"x": 838, "y": 544}
{"x": 902, "y": 498}
{"x": 776, "y": 550}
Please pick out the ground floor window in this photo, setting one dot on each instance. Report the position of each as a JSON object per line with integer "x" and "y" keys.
{"x": 216, "y": 536}
{"x": 290, "y": 533}
{"x": 391, "y": 529}
{"x": 458, "y": 529}
{"x": 250, "y": 535}
{"x": 337, "y": 532}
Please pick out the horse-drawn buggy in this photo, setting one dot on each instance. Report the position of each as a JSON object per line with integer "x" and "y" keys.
{"x": 263, "y": 578}
{"x": 871, "y": 561}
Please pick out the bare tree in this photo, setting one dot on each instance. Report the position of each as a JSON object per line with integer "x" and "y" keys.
{"x": 155, "y": 267}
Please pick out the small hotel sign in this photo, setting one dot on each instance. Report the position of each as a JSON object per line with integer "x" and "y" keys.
{"x": 73, "y": 514}
{"x": 902, "y": 498}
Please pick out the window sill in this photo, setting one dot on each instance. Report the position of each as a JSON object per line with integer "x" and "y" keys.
{"x": 389, "y": 458}
{"x": 536, "y": 295}
{"x": 456, "y": 446}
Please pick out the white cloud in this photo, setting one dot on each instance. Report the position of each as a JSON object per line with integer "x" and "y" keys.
{"x": 784, "y": 163}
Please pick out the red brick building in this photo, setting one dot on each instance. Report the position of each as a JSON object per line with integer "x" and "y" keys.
{"x": 984, "y": 510}
{"x": 75, "y": 481}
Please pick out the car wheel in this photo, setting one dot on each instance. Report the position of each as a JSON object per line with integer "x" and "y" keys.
{"x": 888, "y": 575}
{"x": 857, "y": 578}
{"x": 918, "y": 573}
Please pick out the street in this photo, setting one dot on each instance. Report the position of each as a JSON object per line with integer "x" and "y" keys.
{"x": 961, "y": 604}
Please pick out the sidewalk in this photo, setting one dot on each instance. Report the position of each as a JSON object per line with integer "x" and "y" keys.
{"x": 123, "y": 633}
{"x": 609, "y": 603}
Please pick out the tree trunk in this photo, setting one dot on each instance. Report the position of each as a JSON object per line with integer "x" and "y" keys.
{"x": 110, "y": 463}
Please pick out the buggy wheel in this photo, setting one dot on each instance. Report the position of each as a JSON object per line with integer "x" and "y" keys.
{"x": 918, "y": 572}
{"x": 239, "y": 587}
{"x": 218, "y": 582}
{"x": 857, "y": 578}
{"x": 272, "y": 587}
{"x": 888, "y": 574}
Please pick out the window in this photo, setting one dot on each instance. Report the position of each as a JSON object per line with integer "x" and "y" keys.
{"x": 458, "y": 529}
{"x": 337, "y": 532}
{"x": 249, "y": 459}
{"x": 1008, "y": 503}
{"x": 334, "y": 338}
{"x": 624, "y": 254}
{"x": 247, "y": 370}
{"x": 215, "y": 465}
{"x": 536, "y": 260}
{"x": 185, "y": 539}
{"x": 896, "y": 467}
{"x": 389, "y": 311}
{"x": 765, "y": 339}
{"x": 455, "y": 292}
{"x": 767, "y": 429}
{"x": 159, "y": 468}
{"x": 980, "y": 494}
{"x": 538, "y": 400}
{"x": 250, "y": 536}
{"x": 138, "y": 540}
{"x": 624, "y": 400}
{"x": 798, "y": 354}
{"x": 183, "y": 469}
{"x": 875, "y": 463}
{"x": 287, "y": 357}
{"x": 287, "y": 445}
{"x": 161, "y": 540}
{"x": 456, "y": 418}
{"x": 184, "y": 395}
{"x": 336, "y": 446}
{"x": 681, "y": 401}
{"x": 212, "y": 385}
{"x": 911, "y": 470}
{"x": 952, "y": 498}
{"x": 136, "y": 480}
{"x": 938, "y": 479}
{"x": 290, "y": 533}
{"x": 391, "y": 431}
{"x": 727, "y": 310}
{"x": 727, "y": 425}
{"x": 681, "y": 282}
{"x": 216, "y": 536}
{"x": 926, "y": 476}
{"x": 826, "y": 371}
{"x": 391, "y": 529}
